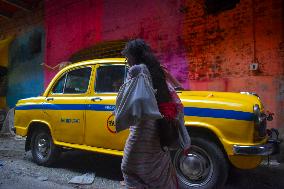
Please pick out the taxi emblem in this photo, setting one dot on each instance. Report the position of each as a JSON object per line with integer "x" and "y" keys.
{"x": 110, "y": 124}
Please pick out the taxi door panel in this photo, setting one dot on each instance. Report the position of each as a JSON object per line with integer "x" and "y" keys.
{"x": 66, "y": 115}
{"x": 66, "y": 105}
{"x": 100, "y": 128}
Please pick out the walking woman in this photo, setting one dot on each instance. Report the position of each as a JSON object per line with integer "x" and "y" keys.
{"x": 145, "y": 165}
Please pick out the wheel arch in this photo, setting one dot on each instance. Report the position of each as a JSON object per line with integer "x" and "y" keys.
{"x": 33, "y": 126}
{"x": 207, "y": 133}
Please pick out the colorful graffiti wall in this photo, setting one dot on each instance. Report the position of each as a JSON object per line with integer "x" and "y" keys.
{"x": 204, "y": 51}
{"x": 25, "y": 72}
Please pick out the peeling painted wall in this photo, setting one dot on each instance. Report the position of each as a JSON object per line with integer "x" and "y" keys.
{"x": 220, "y": 49}
{"x": 70, "y": 25}
{"x": 25, "y": 74}
{"x": 205, "y": 52}
{"x": 158, "y": 22}
{"x": 223, "y": 45}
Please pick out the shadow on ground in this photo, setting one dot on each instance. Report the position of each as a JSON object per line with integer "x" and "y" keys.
{"x": 105, "y": 166}
{"x": 264, "y": 177}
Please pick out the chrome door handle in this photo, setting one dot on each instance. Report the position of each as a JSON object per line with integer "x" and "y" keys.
{"x": 49, "y": 99}
{"x": 96, "y": 99}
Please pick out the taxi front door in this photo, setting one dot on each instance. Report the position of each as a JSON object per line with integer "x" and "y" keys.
{"x": 65, "y": 105}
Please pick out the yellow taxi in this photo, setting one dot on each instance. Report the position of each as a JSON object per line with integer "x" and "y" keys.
{"x": 75, "y": 111}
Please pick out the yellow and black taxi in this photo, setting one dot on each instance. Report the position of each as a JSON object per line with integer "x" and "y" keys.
{"x": 75, "y": 111}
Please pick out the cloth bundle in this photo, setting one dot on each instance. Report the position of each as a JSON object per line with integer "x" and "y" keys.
{"x": 136, "y": 99}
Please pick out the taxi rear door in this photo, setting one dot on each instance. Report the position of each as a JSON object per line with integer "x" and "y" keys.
{"x": 100, "y": 128}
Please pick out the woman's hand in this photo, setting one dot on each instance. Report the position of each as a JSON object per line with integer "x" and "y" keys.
{"x": 186, "y": 151}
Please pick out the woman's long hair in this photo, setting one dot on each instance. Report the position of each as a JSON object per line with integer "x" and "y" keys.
{"x": 143, "y": 54}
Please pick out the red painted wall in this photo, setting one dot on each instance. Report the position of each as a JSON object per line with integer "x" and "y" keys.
{"x": 220, "y": 49}
{"x": 205, "y": 52}
{"x": 70, "y": 25}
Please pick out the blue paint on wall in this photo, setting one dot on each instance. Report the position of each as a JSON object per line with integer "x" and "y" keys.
{"x": 25, "y": 74}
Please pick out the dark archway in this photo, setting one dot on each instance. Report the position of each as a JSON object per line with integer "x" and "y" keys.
{"x": 109, "y": 49}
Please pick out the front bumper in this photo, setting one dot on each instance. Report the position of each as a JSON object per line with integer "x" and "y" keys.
{"x": 270, "y": 148}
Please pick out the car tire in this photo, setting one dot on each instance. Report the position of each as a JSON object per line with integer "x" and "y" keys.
{"x": 44, "y": 151}
{"x": 204, "y": 167}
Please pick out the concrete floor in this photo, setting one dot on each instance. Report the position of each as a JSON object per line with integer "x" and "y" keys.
{"x": 17, "y": 171}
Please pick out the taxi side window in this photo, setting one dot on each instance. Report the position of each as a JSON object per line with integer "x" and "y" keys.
{"x": 77, "y": 81}
{"x": 74, "y": 82}
{"x": 58, "y": 88}
{"x": 109, "y": 78}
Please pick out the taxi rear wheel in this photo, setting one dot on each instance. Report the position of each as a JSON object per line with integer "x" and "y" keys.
{"x": 204, "y": 167}
{"x": 44, "y": 151}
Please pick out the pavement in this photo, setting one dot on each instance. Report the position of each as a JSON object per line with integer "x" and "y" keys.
{"x": 18, "y": 171}
{"x": 30, "y": 183}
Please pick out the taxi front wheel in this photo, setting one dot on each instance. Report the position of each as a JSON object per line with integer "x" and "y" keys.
{"x": 204, "y": 167}
{"x": 44, "y": 151}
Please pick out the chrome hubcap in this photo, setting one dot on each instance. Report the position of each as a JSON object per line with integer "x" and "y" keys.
{"x": 43, "y": 146}
{"x": 195, "y": 168}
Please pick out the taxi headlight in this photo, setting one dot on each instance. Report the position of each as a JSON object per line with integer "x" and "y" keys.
{"x": 256, "y": 109}
{"x": 257, "y": 113}
{"x": 259, "y": 120}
